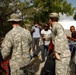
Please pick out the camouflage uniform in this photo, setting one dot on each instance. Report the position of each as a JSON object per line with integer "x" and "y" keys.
{"x": 17, "y": 43}
{"x": 61, "y": 47}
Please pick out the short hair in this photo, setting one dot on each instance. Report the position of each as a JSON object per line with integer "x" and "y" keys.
{"x": 35, "y": 22}
{"x": 72, "y": 26}
{"x": 54, "y": 19}
{"x": 48, "y": 25}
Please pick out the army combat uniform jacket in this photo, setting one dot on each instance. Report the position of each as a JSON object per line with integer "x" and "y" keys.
{"x": 60, "y": 40}
{"x": 61, "y": 46}
{"x": 16, "y": 44}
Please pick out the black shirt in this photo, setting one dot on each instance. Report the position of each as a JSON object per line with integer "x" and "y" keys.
{"x": 73, "y": 34}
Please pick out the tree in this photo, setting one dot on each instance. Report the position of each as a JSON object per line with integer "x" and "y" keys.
{"x": 4, "y": 12}
{"x": 45, "y": 7}
{"x": 31, "y": 10}
{"x": 8, "y": 7}
{"x": 74, "y": 16}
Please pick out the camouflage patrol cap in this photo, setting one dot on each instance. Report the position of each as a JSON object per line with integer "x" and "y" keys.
{"x": 15, "y": 17}
{"x": 53, "y": 15}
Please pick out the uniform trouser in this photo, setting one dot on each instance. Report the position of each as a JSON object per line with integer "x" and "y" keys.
{"x": 18, "y": 72}
{"x": 62, "y": 66}
{"x": 43, "y": 49}
{"x": 35, "y": 44}
{"x": 21, "y": 71}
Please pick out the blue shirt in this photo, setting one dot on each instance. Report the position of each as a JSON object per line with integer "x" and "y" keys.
{"x": 36, "y": 34}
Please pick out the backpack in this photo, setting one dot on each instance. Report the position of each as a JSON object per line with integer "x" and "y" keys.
{"x": 49, "y": 67}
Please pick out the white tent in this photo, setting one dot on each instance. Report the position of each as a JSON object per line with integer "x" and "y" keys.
{"x": 67, "y": 24}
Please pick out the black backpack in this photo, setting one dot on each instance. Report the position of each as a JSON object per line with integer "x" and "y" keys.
{"x": 49, "y": 67}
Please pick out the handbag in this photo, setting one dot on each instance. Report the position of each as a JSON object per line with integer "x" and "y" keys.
{"x": 51, "y": 46}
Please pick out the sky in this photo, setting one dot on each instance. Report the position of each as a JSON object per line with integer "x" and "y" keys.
{"x": 64, "y": 17}
{"x": 73, "y": 2}
{"x": 68, "y": 21}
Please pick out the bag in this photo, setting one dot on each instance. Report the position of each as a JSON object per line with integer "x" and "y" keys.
{"x": 49, "y": 67}
{"x": 4, "y": 66}
{"x": 51, "y": 46}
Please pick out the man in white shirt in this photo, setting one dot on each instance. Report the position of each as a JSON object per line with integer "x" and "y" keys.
{"x": 45, "y": 33}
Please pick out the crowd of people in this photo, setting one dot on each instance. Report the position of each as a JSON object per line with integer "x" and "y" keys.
{"x": 56, "y": 47}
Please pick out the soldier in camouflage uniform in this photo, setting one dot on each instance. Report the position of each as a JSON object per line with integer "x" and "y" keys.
{"x": 61, "y": 48}
{"x": 16, "y": 45}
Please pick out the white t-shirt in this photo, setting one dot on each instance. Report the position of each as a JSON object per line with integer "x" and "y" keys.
{"x": 47, "y": 34}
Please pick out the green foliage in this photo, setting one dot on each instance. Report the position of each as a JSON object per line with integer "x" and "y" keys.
{"x": 45, "y": 7}
{"x": 74, "y": 16}
{"x": 31, "y": 10}
{"x": 5, "y": 10}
